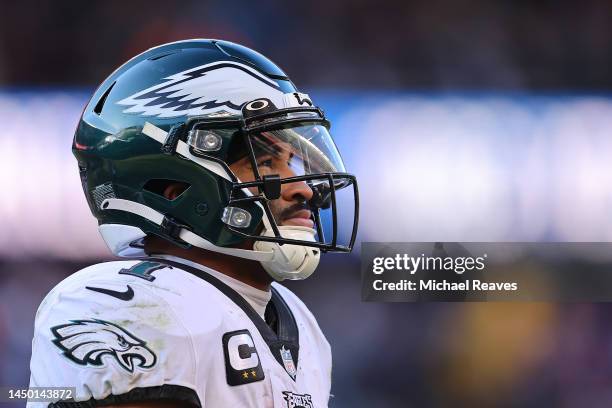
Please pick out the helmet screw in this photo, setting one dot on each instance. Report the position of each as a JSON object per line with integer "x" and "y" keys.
{"x": 239, "y": 218}
{"x": 212, "y": 141}
{"x": 236, "y": 217}
{"x": 201, "y": 208}
{"x": 204, "y": 140}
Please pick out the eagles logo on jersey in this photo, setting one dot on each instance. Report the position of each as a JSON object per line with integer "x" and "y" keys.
{"x": 88, "y": 341}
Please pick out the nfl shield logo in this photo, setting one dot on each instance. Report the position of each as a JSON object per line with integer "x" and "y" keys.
{"x": 288, "y": 362}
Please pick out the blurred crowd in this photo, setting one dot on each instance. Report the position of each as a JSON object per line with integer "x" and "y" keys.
{"x": 435, "y": 44}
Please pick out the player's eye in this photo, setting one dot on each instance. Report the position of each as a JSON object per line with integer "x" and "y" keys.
{"x": 265, "y": 163}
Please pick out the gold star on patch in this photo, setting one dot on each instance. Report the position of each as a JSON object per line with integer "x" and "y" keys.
{"x": 253, "y": 373}
{"x": 245, "y": 374}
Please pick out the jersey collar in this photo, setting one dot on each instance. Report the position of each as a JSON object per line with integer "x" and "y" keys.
{"x": 286, "y": 336}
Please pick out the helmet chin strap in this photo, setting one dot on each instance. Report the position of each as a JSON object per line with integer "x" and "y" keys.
{"x": 282, "y": 262}
{"x": 292, "y": 262}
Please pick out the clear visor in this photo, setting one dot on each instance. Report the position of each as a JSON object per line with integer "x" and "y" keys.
{"x": 318, "y": 199}
{"x": 297, "y": 151}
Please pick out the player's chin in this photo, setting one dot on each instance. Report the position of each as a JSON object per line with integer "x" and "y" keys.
{"x": 299, "y": 222}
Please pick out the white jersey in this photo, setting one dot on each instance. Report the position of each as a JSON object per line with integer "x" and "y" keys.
{"x": 153, "y": 329}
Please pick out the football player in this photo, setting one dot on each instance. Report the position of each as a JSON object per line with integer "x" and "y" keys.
{"x": 207, "y": 169}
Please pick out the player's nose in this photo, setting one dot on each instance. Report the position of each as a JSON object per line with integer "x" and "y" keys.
{"x": 297, "y": 191}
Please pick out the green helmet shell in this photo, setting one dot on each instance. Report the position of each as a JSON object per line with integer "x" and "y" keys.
{"x": 167, "y": 86}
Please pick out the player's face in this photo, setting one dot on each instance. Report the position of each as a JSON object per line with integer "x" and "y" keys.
{"x": 280, "y": 158}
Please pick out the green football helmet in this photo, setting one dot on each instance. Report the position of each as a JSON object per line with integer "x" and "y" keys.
{"x": 259, "y": 174}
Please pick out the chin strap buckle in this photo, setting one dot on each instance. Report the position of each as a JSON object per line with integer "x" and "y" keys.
{"x": 174, "y": 135}
{"x": 172, "y": 227}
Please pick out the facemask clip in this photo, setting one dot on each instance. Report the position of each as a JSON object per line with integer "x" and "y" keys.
{"x": 271, "y": 186}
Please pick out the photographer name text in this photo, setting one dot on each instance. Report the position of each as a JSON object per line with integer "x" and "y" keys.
{"x": 443, "y": 285}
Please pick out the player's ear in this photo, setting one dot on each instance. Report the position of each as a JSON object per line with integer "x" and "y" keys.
{"x": 173, "y": 190}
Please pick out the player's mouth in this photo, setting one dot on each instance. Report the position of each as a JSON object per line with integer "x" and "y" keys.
{"x": 301, "y": 218}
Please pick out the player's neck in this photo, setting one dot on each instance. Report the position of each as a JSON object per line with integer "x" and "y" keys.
{"x": 244, "y": 270}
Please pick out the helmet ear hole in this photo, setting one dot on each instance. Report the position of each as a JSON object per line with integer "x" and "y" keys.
{"x": 168, "y": 189}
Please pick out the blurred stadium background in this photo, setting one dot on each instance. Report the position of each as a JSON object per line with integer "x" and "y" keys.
{"x": 467, "y": 120}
